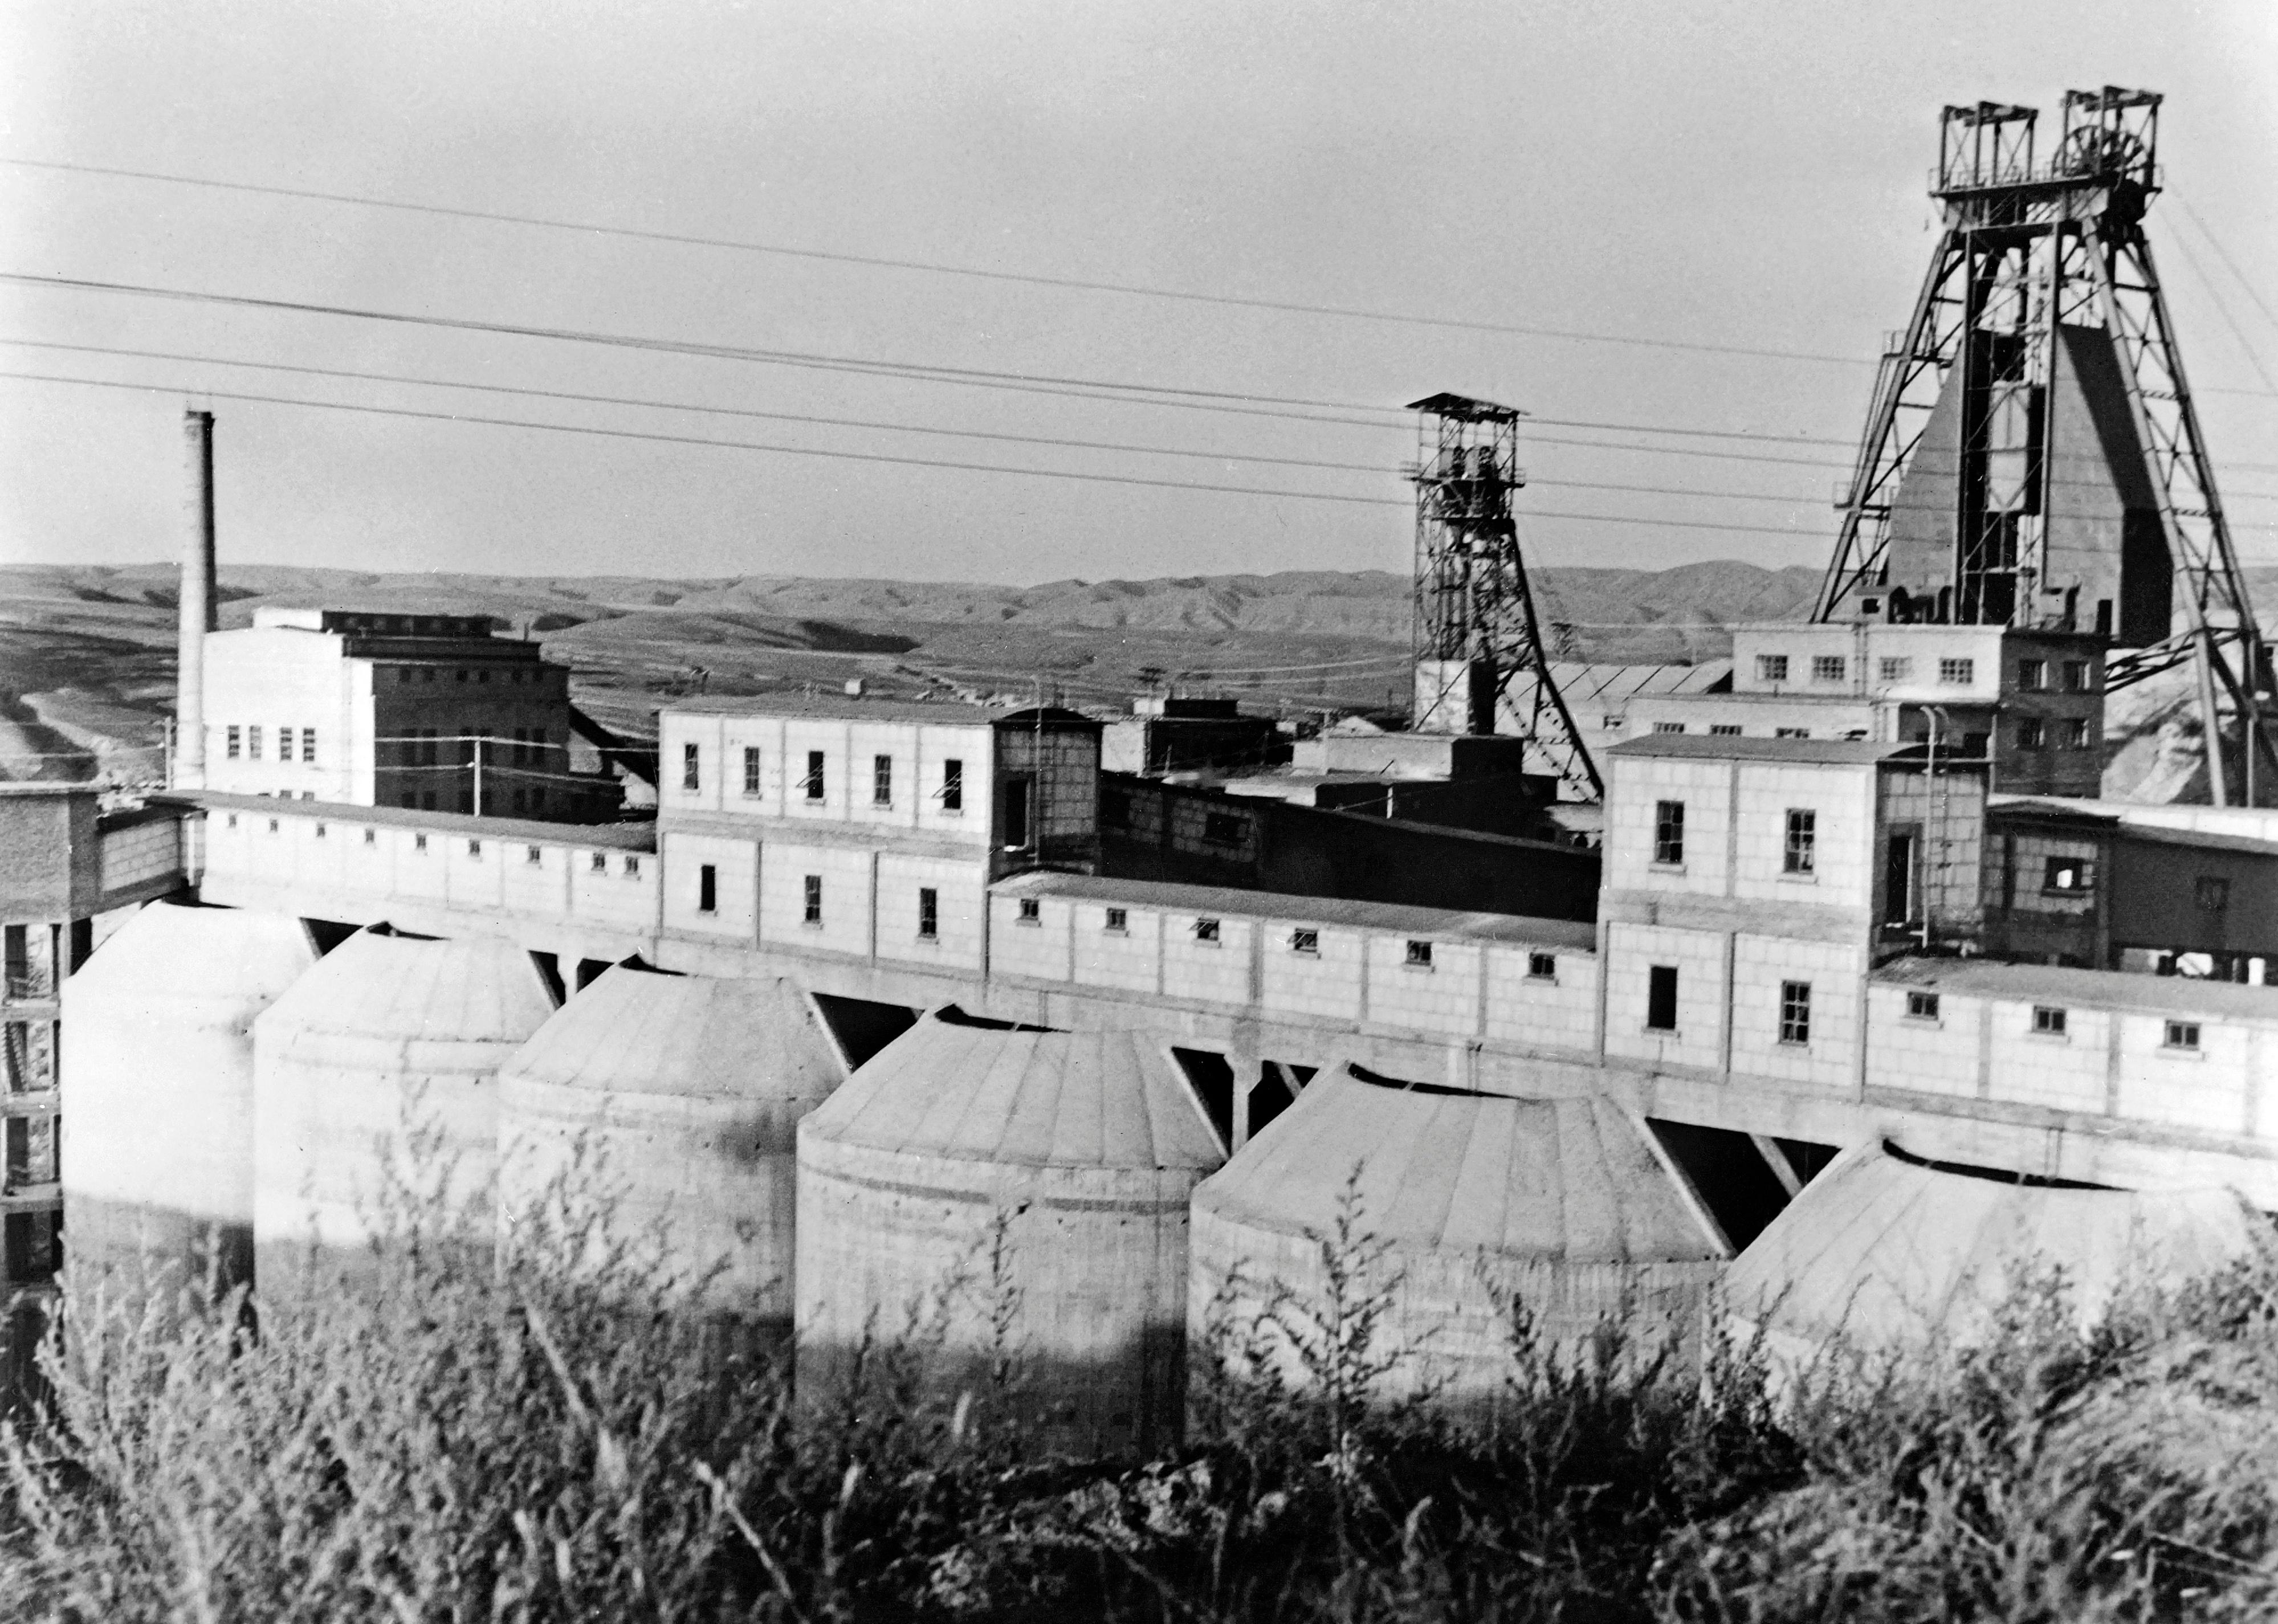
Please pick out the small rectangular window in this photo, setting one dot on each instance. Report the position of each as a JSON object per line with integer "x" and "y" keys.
{"x": 474, "y": 848}
{"x": 600, "y": 863}
{"x": 928, "y": 912}
{"x": 1031, "y": 911}
{"x": 751, "y": 769}
{"x": 707, "y": 889}
{"x": 1114, "y": 808}
{"x": 2067, "y": 876}
{"x": 1612, "y": 723}
{"x": 1957, "y": 673}
{"x": 1724, "y": 729}
{"x": 320, "y": 831}
{"x": 308, "y": 745}
{"x": 632, "y": 868}
{"x": 236, "y": 742}
{"x": 691, "y": 767}
{"x": 812, "y": 887}
{"x": 2076, "y": 676}
{"x": 1922, "y": 1006}
{"x": 419, "y": 842}
{"x": 253, "y": 743}
{"x": 2032, "y": 733}
{"x": 881, "y": 780}
{"x": 1895, "y": 668}
{"x": 2048, "y": 1020}
{"x": 537, "y": 856}
{"x": 1542, "y": 966}
{"x": 2076, "y": 733}
{"x": 1205, "y": 930}
{"x": 1827, "y": 667}
{"x": 371, "y": 837}
{"x": 1303, "y": 941}
{"x": 1795, "y": 1012}
{"x": 1669, "y": 726}
{"x": 814, "y": 780}
{"x": 1771, "y": 668}
{"x": 2032, "y": 674}
{"x": 1419, "y": 954}
{"x": 2212, "y": 892}
{"x": 2183, "y": 1034}
{"x": 952, "y": 786}
{"x": 1800, "y": 855}
{"x": 1661, "y": 997}
{"x": 1669, "y": 832}
{"x": 1118, "y": 920}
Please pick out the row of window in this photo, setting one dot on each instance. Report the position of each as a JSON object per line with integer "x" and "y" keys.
{"x": 244, "y": 743}
{"x": 815, "y": 782}
{"x": 707, "y": 900}
{"x": 1660, "y": 1004}
{"x": 1799, "y": 852}
{"x": 1953, "y": 671}
{"x": 2050, "y": 1021}
{"x": 1304, "y": 939}
{"x": 512, "y": 677}
{"x": 2071, "y": 733}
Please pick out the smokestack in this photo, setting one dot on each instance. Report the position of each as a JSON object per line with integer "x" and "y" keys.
{"x": 198, "y": 605}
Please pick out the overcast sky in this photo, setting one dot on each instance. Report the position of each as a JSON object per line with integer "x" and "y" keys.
{"x": 1748, "y": 176}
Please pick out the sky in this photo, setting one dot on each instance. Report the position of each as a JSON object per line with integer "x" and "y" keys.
{"x": 1705, "y": 216}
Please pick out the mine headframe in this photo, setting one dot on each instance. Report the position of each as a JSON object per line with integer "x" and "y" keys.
{"x": 2032, "y": 456}
{"x": 1479, "y": 662}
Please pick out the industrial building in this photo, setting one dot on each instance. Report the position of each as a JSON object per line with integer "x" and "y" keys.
{"x": 896, "y": 1001}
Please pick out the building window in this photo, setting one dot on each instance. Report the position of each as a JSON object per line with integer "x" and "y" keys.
{"x": 814, "y": 780}
{"x": 707, "y": 889}
{"x": 2048, "y": 1021}
{"x": 2032, "y": 733}
{"x": 1957, "y": 673}
{"x": 1542, "y": 966}
{"x": 881, "y": 780}
{"x": 2075, "y": 676}
{"x": 692, "y": 776}
{"x": 1669, "y": 726}
{"x": 2211, "y": 893}
{"x": 1304, "y": 942}
{"x": 1205, "y": 930}
{"x": 1669, "y": 832}
{"x": 253, "y": 743}
{"x": 1612, "y": 723}
{"x": 1827, "y": 667}
{"x": 1895, "y": 668}
{"x": 1724, "y": 729}
{"x": 1115, "y": 809}
{"x": 2067, "y": 875}
{"x": 419, "y": 842}
{"x": 632, "y": 868}
{"x": 371, "y": 837}
{"x": 1222, "y": 828}
{"x": 1031, "y": 911}
{"x": 600, "y": 862}
{"x": 474, "y": 848}
{"x": 1661, "y": 998}
{"x": 812, "y": 886}
{"x": 929, "y": 914}
{"x": 2076, "y": 733}
{"x": 751, "y": 769}
{"x": 952, "y": 786}
{"x": 1771, "y": 668}
{"x": 320, "y": 831}
{"x": 1119, "y": 921}
{"x": 308, "y": 745}
{"x": 2183, "y": 1034}
{"x": 233, "y": 820}
{"x": 1922, "y": 1006}
{"x": 1801, "y": 853}
{"x": 537, "y": 856}
{"x": 1795, "y": 1012}
{"x": 1419, "y": 955}
{"x": 2032, "y": 674}
{"x": 236, "y": 742}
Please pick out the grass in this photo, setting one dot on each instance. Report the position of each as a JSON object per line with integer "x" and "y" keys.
{"x": 435, "y": 1437}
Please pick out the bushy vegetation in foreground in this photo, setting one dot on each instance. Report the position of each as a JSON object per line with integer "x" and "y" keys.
{"x": 448, "y": 1441}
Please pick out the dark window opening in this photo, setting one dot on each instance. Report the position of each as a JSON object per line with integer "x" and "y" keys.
{"x": 707, "y": 889}
{"x": 952, "y": 786}
{"x": 1669, "y": 832}
{"x": 813, "y": 888}
{"x": 1661, "y": 997}
{"x": 928, "y": 912}
{"x": 1016, "y": 814}
{"x": 814, "y": 780}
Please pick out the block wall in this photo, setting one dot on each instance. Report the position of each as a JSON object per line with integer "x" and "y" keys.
{"x": 1631, "y": 950}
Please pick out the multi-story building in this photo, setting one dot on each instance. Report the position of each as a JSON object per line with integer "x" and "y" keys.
{"x": 427, "y": 712}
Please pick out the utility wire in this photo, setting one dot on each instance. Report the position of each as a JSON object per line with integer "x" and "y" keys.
{"x": 2215, "y": 243}
{"x": 2221, "y": 306}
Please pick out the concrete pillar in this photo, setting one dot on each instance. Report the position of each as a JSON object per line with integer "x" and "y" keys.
{"x": 198, "y": 601}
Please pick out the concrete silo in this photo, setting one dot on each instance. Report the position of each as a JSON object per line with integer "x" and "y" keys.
{"x": 1014, "y": 1193}
{"x": 383, "y": 1062}
{"x": 679, "y": 1097}
{"x": 158, "y": 1043}
{"x": 1457, "y": 1198}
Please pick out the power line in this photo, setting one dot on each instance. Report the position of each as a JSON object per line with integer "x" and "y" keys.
{"x": 1075, "y": 284}
{"x": 2215, "y": 243}
{"x": 2221, "y": 306}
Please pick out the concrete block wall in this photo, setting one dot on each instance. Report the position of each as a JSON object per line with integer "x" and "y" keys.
{"x": 1640, "y": 783}
{"x": 848, "y": 875}
{"x": 1631, "y": 950}
{"x": 1828, "y": 1058}
{"x": 1841, "y": 800}
{"x": 918, "y": 753}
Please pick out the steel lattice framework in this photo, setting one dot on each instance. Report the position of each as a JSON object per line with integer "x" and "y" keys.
{"x": 1479, "y": 653}
{"x": 2030, "y": 247}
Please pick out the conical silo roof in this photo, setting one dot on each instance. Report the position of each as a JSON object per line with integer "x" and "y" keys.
{"x": 1889, "y": 1251}
{"x": 1565, "y": 1179}
{"x": 231, "y": 956}
{"x": 383, "y": 985}
{"x": 637, "y": 1031}
{"x": 961, "y": 1090}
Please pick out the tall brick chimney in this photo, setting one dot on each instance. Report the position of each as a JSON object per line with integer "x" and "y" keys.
{"x": 197, "y": 605}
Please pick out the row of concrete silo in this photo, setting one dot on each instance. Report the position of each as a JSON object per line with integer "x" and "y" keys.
{"x": 1050, "y": 1209}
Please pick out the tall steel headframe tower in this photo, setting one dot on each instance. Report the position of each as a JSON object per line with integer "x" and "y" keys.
{"x": 1480, "y": 660}
{"x": 2032, "y": 457}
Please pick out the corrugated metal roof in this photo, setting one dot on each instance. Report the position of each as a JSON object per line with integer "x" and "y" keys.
{"x": 974, "y": 1092}
{"x": 476, "y": 989}
{"x": 1569, "y": 1178}
{"x": 1889, "y": 1252}
{"x": 1216, "y": 901}
{"x": 2096, "y": 990}
{"x": 639, "y": 1031}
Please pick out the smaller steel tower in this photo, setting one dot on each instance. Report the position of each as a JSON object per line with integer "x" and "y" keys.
{"x": 1479, "y": 659}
